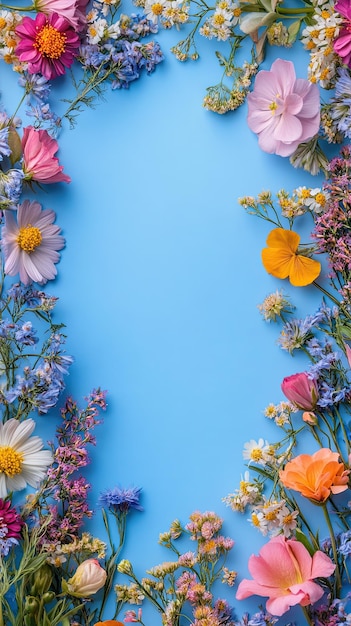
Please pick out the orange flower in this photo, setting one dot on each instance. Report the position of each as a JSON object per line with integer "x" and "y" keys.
{"x": 282, "y": 260}
{"x": 316, "y": 476}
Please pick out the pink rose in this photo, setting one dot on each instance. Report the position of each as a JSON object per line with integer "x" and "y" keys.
{"x": 284, "y": 111}
{"x": 301, "y": 391}
{"x": 39, "y": 162}
{"x": 284, "y": 571}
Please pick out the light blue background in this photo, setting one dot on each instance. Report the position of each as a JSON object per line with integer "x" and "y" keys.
{"x": 159, "y": 285}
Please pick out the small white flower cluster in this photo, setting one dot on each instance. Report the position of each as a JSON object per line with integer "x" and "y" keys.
{"x": 166, "y": 12}
{"x": 318, "y": 39}
{"x": 220, "y": 24}
{"x": 8, "y": 38}
{"x": 274, "y": 518}
{"x": 248, "y": 494}
{"x": 98, "y": 27}
{"x": 280, "y": 413}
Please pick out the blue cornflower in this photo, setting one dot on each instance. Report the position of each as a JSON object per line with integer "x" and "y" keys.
{"x": 5, "y": 149}
{"x": 262, "y": 619}
{"x": 119, "y": 500}
{"x": 345, "y": 543}
{"x": 328, "y": 395}
{"x": 341, "y": 103}
{"x": 26, "y": 335}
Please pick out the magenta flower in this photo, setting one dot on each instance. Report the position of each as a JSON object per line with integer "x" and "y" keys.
{"x": 342, "y": 43}
{"x": 284, "y": 111}
{"x": 48, "y": 44}
{"x": 39, "y": 162}
{"x": 285, "y": 571}
{"x": 72, "y": 10}
{"x": 301, "y": 391}
{"x": 30, "y": 245}
{"x": 11, "y": 522}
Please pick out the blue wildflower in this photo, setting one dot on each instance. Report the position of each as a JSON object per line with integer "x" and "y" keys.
{"x": 5, "y": 149}
{"x": 119, "y": 500}
{"x": 345, "y": 543}
{"x": 11, "y": 188}
{"x": 341, "y": 103}
{"x": 26, "y": 335}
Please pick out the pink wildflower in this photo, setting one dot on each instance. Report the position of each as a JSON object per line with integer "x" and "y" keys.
{"x": 72, "y": 10}
{"x": 301, "y": 390}
{"x": 284, "y": 111}
{"x": 30, "y": 245}
{"x": 285, "y": 571}
{"x": 48, "y": 44}
{"x": 10, "y": 520}
{"x": 39, "y": 162}
{"x": 342, "y": 43}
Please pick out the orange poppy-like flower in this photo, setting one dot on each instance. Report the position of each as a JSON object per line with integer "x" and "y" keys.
{"x": 109, "y": 622}
{"x": 281, "y": 258}
{"x": 316, "y": 475}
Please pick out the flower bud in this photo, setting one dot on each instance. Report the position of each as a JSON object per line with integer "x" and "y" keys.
{"x": 31, "y": 605}
{"x": 42, "y": 579}
{"x": 310, "y": 418}
{"x": 125, "y": 567}
{"x": 301, "y": 390}
{"x": 109, "y": 622}
{"x": 88, "y": 579}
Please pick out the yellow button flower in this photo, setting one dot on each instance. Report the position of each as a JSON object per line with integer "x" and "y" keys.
{"x": 282, "y": 259}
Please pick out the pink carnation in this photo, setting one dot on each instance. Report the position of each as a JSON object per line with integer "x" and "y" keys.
{"x": 284, "y": 111}
{"x": 285, "y": 571}
{"x": 342, "y": 43}
{"x": 72, "y": 10}
{"x": 48, "y": 44}
{"x": 39, "y": 162}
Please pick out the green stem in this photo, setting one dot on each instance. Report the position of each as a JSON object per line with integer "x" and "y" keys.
{"x": 7, "y": 6}
{"x": 334, "y": 549}
{"x": 305, "y": 11}
{"x": 307, "y": 616}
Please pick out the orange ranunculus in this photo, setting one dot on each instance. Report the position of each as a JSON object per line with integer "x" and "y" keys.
{"x": 282, "y": 260}
{"x": 316, "y": 475}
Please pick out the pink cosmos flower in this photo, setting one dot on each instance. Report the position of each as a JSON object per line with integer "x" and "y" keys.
{"x": 342, "y": 43}
{"x": 10, "y": 521}
{"x": 285, "y": 572}
{"x": 72, "y": 10}
{"x": 30, "y": 245}
{"x": 39, "y": 162}
{"x": 284, "y": 111}
{"x": 301, "y": 391}
{"x": 48, "y": 44}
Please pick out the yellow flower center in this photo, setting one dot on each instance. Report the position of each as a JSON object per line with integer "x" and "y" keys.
{"x": 271, "y": 516}
{"x": 325, "y": 14}
{"x": 50, "y": 42}
{"x": 255, "y": 520}
{"x": 256, "y": 454}
{"x": 244, "y": 487}
{"x": 237, "y": 12}
{"x": 2, "y": 23}
{"x": 10, "y": 461}
{"x": 157, "y": 8}
{"x": 29, "y": 238}
{"x": 320, "y": 198}
{"x": 273, "y": 106}
{"x": 218, "y": 19}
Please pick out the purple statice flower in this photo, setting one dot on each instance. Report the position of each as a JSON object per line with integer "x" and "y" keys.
{"x": 37, "y": 87}
{"x": 120, "y": 500}
{"x": 5, "y": 149}
{"x": 344, "y": 547}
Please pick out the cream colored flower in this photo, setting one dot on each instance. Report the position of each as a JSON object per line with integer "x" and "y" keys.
{"x": 22, "y": 460}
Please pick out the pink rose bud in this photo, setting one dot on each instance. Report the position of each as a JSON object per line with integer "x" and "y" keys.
{"x": 301, "y": 390}
{"x": 88, "y": 579}
{"x": 310, "y": 418}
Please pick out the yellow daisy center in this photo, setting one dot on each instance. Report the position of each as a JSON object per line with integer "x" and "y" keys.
{"x": 2, "y": 23}
{"x": 50, "y": 42}
{"x": 157, "y": 8}
{"x": 10, "y": 461}
{"x": 256, "y": 454}
{"x": 320, "y": 198}
{"x": 218, "y": 19}
{"x": 29, "y": 238}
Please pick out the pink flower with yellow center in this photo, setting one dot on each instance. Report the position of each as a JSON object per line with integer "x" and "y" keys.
{"x": 48, "y": 44}
{"x": 284, "y": 572}
{"x": 30, "y": 244}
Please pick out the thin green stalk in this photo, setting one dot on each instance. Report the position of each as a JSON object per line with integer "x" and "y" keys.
{"x": 7, "y": 6}
{"x": 334, "y": 549}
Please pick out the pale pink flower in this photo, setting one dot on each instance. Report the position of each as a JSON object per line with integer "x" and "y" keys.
{"x": 72, "y": 10}
{"x": 285, "y": 571}
{"x": 87, "y": 580}
{"x": 30, "y": 245}
{"x": 48, "y": 44}
{"x": 39, "y": 162}
{"x": 284, "y": 111}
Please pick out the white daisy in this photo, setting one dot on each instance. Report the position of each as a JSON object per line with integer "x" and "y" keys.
{"x": 22, "y": 460}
